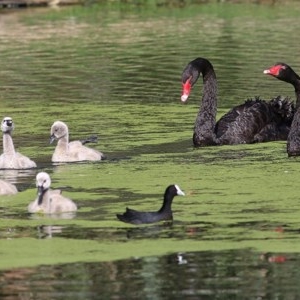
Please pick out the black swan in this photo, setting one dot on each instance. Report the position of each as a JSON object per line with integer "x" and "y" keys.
{"x": 164, "y": 214}
{"x": 254, "y": 121}
{"x": 285, "y": 73}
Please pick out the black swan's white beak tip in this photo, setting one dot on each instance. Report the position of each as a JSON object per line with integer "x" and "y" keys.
{"x": 184, "y": 97}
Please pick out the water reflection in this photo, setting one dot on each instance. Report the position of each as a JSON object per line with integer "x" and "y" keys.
{"x": 22, "y": 178}
{"x": 224, "y": 275}
{"x": 60, "y": 216}
{"x": 48, "y": 231}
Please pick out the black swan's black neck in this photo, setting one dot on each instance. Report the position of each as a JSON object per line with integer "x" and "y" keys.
{"x": 294, "y": 79}
{"x": 206, "y": 118}
{"x": 204, "y": 66}
{"x": 296, "y": 84}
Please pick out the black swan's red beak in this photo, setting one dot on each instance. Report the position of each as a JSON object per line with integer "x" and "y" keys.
{"x": 274, "y": 70}
{"x": 186, "y": 89}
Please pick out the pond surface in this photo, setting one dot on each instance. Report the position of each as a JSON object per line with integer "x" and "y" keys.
{"x": 195, "y": 275}
{"x": 115, "y": 71}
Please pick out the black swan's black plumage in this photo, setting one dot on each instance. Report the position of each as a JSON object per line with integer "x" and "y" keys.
{"x": 254, "y": 121}
{"x": 164, "y": 214}
{"x": 285, "y": 73}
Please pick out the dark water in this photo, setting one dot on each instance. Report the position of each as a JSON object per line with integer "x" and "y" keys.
{"x": 114, "y": 71}
{"x": 240, "y": 274}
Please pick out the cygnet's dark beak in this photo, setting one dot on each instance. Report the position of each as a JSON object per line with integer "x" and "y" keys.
{"x": 40, "y": 194}
{"x": 52, "y": 138}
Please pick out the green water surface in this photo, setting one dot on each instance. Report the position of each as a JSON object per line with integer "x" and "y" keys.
{"x": 115, "y": 71}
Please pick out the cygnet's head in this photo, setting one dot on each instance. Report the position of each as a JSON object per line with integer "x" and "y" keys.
{"x": 58, "y": 130}
{"x": 43, "y": 180}
{"x": 7, "y": 125}
{"x": 43, "y": 183}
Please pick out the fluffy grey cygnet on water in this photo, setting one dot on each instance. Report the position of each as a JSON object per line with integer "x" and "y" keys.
{"x": 10, "y": 159}
{"x": 74, "y": 151}
{"x": 49, "y": 201}
{"x": 6, "y": 188}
